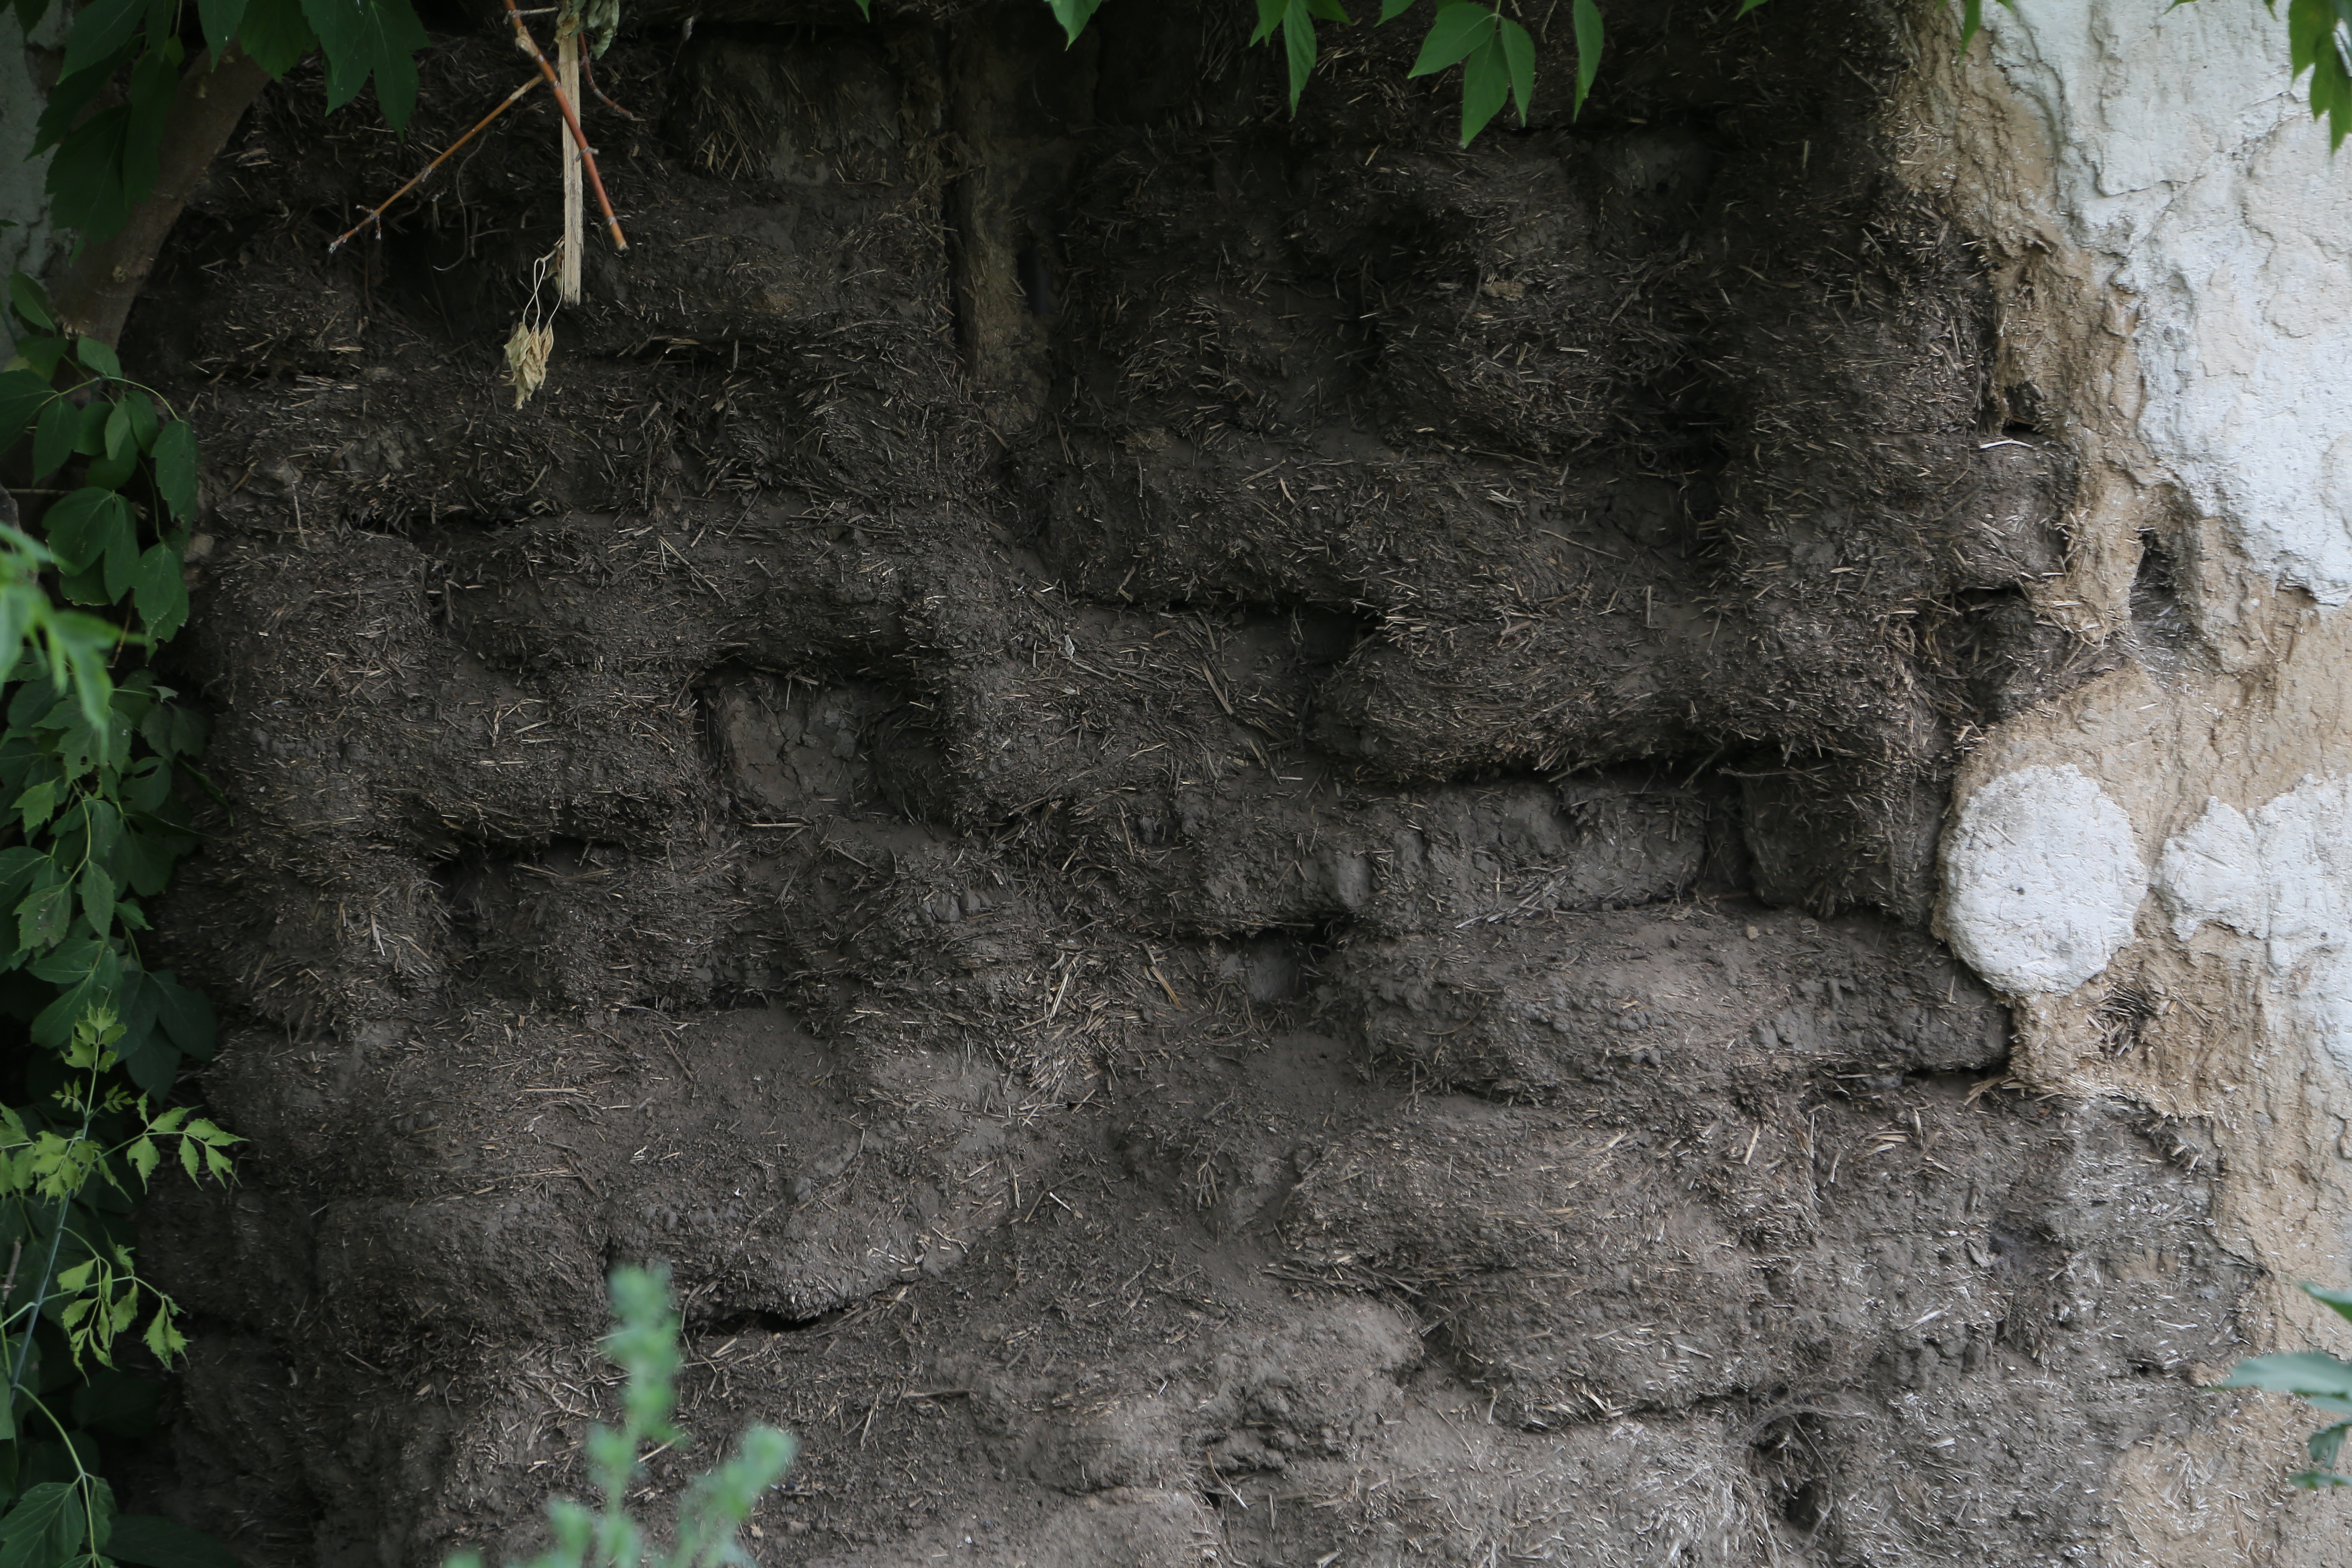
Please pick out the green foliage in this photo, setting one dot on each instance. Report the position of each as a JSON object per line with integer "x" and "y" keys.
{"x": 1496, "y": 53}
{"x": 644, "y": 1345}
{"x": 91, "y": 823}
{"x": 2320, "y": 1381}
{"x": 1498, "y": 58}
{"x": 108, "y": 152}
{"x": 2318, "y": 33}
{"x": 71, "y": 1169}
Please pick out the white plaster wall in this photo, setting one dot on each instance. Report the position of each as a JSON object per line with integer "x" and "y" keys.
{"x": 2043, "y": 880}
{"x": 2280, "y": 875}
{"x": 2156, "y": 866}
{"x": 2185, "y": 155}
{"x": 2188, "y": 174}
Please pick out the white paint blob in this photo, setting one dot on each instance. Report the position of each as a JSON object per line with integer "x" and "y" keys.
{"x": 2282, "y": 876}
{"x": 2043, "y": 881}
{"x": 2231, "y": 230}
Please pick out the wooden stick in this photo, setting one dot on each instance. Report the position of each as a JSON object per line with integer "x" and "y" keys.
{"x": 530, "y": 45}
{"x": 567, "y": 70}
{"x": 376, "y": 214}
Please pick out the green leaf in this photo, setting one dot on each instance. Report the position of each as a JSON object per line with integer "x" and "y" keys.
{"x": 35, "y": 805}
{"x": 2326, "y": 1443}
{"x": 18, "y": 867}
{"x": 31, "y": 302}
{"x": 87, "y": 587}
{"x": 43, "y": 355}
{"x": 23, "y": 395}
{"x": 72, "y": 962}
{"x": 191, "y": 1156}
{"x": 99, "y": 357}
{"x": 144, "y": 1157}
{"x": 1392, "y": 9}
{"x": 83, "y": 524}
{"x": 2339, "y": 1301}
{"x": 26, "y": 1526}
{"x": 1459, "y": 28}
{"x": 2296, "y": 1371}
{"x": 42, "y": 917}
{"x": 1519, "y": 55}
{"x": 118, "y": 433}
{"x": 99, "y": 32}
{"x": 1485, "y": 83}
{"x": 159, "y": 592}
{"x": 220, "y": 18}
{"x": 164, "y": 1341}
{"x": 53, "y": 438}
{"x": 1589, "y": 35}
{"x": 144, "y": 421}
{"x": 153, "y": 1065}
{"x": 85, "y": 185}
{"x": 1074, "y": 14}
{"x": 1971, "y": 16}
{"x": 121, "y": 563}
{"x": 112, "y": 473}
{"x": 175, "y": 468}
{"x": 364, "y": 37}
{"x": 89, "y": 436}
{"x": 1298, "y": 47}
{"x": 73, "y": 94}
{"x": 147, "y": 862}
{"x": 150, "y": 1541}
{"x": 275, "y": 34}
{"x": 187, "y": 1016}
{"x": 106, "y": 164}
{"x": 98, "y": 898}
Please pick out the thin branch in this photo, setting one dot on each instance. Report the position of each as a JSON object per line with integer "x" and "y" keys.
{"x": 530, "y": 45}
{"x": 375, "y": 215}
{"x": 591, "y": 71}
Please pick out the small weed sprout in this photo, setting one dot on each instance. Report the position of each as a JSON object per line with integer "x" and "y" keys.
{"x": 644, "y": 1345}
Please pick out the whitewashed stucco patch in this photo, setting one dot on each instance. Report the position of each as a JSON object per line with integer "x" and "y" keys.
{"x": 2282, "y": 875}
{"x": 2043, "y": 881}
{"x": 2231, "y": 230}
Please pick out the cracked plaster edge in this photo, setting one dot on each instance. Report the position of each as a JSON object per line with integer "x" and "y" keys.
{"x": 2259, "y": 712}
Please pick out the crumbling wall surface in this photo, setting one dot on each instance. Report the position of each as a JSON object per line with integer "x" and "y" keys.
{"x": 2154, "y": 866}
{"x": 1225, "y": 825}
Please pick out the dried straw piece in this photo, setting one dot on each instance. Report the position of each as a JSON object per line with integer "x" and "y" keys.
{"x": 526, "y": 354}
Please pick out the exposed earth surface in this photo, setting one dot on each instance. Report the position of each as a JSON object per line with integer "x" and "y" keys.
{"x": 1224, "y": 825}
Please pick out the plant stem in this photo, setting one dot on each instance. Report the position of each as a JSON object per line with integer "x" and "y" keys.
{"x": 40, "y": 1296}
{"x": 375, "y": 214}
{"x": 530, "y": 45}
{"x": 590, "y": 69}
{"x": 48, "y": 1264}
